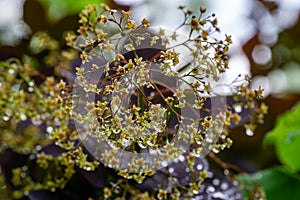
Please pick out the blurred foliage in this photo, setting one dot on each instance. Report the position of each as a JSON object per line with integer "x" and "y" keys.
{"x": 277, "y": 183}
{"x": 281, "y": 182}
{"x": 57, "y": 9}
{"x": 283, "y": 68}
{"x": 282, "y": 72}
{"x": 286, "y": 138}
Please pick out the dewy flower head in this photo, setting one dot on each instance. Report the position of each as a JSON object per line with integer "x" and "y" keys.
{"x": 155, "y": 85}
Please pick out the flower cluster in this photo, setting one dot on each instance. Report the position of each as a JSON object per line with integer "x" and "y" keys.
{"x": 142, "y": 103}
{"x": 143, "y": 99}
{"x": 35, "y": 115}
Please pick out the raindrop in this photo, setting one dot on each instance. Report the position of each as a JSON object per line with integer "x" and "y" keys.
{"x": 26, "y": 151}
{"x": 16, "y": 87}
{"x": 49, "y": 129}
{"x": 198, "y": 142}
{"x": 210, "y": 174}
{"x": 23, "y": 117}
{"x": 153, "y": 152}
{"x": 128, "y": 143}
{"x": 262, "y": 54}
{"x": 5, "y": 118}
{"x": 209, "y": 140}
{"x": 195, "y": 191}
{"x": 148, "y": 142}
{"x": 23, "y": 175}
{"x": 216, "y": 182}
{"x": 181, "y": 158}
{"x": 219, "y": 195}
{"x": 187, "y": 170}
{"x": 249, "y": 132}
{"x": 88, "y": 168}
{"x": 198, "y": 197}
{"x": 11, "y": 71}
{"x": 171, "y": 170}
{"x": 224, "y": 186}
{"x": 38, "y": 147}
{"x": 31, "y": 83}
{"x": 199, "y": 167}
{"x": 164, "y": 163}
{"x": 187, "y": 178}
{"x": 142, "y": 145}
{"x": 30, "y": 89}
{"x": 57, "y": 122}
{"x": 210, "y": 189}
{"x": 226, "y": 172}
{"x": 196, "y": 154}
{"x": 215, "y": 150}
{"x": 238, "y": 108}
{"x": 238, "y": 196}
{"x": 31, "y": 157}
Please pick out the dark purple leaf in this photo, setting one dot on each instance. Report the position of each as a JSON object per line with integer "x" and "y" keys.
{"x": 10, "y": 160}
{"x": 48, "y": 195}
{"x": 179, "y": 171}
{"x": 219, "y": 187}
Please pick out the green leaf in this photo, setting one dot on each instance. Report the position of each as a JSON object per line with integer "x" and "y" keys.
{"x": 277, "y": 183}
{"x": 286, "y": 138}
{"x": 58, "y": 9}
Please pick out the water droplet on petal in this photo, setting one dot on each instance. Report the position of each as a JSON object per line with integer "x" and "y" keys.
{"x": 5, "y": 118}
{"x": 215, "y": 150}
{"x": 238, "y": 108}
{"x": 142, "y": 146}
{"x": 87, "y": 168}
{"x": 164, "y": 163}
{"x": 195, "y": 191}
{"x": 181, "y": 158}
{"x": 249, "y": 132}
{"x": 11, "y": 71}
{"x": 49, "y": 129}
{"x": 23, "y": 117}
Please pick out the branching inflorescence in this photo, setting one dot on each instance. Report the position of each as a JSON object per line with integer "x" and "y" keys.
{"x": 143, "y": 98}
